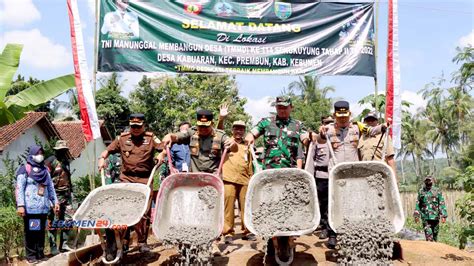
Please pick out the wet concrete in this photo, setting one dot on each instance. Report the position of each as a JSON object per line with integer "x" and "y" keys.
{"x": 208, "y": 194}
{"x": 118, "y": 205}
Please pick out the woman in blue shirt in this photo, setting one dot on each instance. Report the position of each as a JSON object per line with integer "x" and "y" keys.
{"x": 34, "y": 197}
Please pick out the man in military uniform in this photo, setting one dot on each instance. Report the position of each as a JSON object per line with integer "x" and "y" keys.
{"x": 283, "y": 139}
{"x": 430, "y": 207}
{"x": 137, "y": 149}
{"x": 236, "y": 171}
{"x": 321, "y": 175}
{"x": 60, "y": 171}
{"x": 371, "y": 147}
{"x": 206, "y": 144}
{"x": 344, "y": 137}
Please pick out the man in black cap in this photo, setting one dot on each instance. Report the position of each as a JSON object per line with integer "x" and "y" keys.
{"x": 137, "y": 149}
{"x": 344, "y": 137}
{"x": 206, "y": 143}
{"x": 371, "y": 147}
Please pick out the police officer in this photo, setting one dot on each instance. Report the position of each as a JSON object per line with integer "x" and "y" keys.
{"x": 344, "y": 136}
{"x": 371, "y": 147}
{"x": 60, "y": 171}
{"x": 321, "y": 175}
{"x": 206, "y": 143}
{"x": 137, "y": 148}
{"x": 283, "y": 147}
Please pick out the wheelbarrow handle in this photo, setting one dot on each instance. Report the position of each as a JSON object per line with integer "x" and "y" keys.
{"x": 258, "y": 168}
{"x": 221, "y": 163}
{"x": 331, "y": 151}
{"x": 150, "y": 178}
{"x": 102, "y": 176}
{"x": 170, "y": 162}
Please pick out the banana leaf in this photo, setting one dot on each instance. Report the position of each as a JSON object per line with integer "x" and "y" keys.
{"x": 9, "y": 62}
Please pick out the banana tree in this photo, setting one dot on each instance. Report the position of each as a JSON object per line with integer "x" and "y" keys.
{"x": 13, "y": 107}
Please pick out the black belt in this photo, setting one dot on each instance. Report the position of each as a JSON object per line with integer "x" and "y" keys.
{"x": 321, "y": 168}
{"x": 139, "y": 175}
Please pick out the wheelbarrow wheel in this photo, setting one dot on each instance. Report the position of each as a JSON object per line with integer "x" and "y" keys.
{"x": 284, "y": 254}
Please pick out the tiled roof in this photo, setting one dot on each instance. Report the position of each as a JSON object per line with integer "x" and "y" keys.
{"x": 10, "y": 133}
{"x": 71, "y": 131}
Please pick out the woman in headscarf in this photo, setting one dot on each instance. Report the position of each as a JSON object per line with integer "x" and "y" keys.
{"x": 34, "y": 197}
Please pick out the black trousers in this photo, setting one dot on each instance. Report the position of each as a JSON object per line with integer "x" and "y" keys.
{"x": 322, "y": 186}
{"x": 34, "y": 226}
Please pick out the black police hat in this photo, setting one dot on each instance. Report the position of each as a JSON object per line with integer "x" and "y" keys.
{"x": 341, "y": 108}
{"x": 137, "y": 119}
{"x": 204, "y": 118}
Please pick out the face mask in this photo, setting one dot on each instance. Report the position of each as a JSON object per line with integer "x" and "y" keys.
{"x": 38, "y": 158}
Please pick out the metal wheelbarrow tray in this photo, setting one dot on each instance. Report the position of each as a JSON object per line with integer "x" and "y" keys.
{"x": 178, "y": 204}
{"x": 102, "y": 199}
{"x": 358, "y": 190}
{"x": 269, "y": 187}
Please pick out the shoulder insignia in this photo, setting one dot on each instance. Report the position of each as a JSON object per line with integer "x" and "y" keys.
{"x": 124, "y": 134}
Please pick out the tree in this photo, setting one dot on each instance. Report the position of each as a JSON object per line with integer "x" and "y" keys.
{"x": 310, "y": 101}
{"x": 14, "y": 106}
{"x": 112, "y": 107}
{"x": 370, "y": 99}
{"x": 168, "y": 101}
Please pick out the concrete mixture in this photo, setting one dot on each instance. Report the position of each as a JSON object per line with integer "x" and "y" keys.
{"x": 118, "y": 205}
{"x": 208, "y": 194}
{"x": 289, "y": 211}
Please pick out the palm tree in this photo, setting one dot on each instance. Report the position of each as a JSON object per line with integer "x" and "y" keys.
{"x": 310, "y": 89}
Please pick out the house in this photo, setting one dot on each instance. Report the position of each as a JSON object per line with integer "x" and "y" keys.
{"x": 84, "y": 159}
{"x": 35, "y": 126}
{"x": 16, "y": 138}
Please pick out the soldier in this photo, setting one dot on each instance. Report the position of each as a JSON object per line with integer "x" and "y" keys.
{"x": 60, "y": 171}
{"x": 137, "y": 149}
{"x": 236, "y": 171}
{"x": 371, "y": 147}
{"x": 344, "y": 136}
{"x": 321, "y": 175}
{"x": 206, "y": 143}
{"x": 430, "y": 207}
{"x": 283, "y": 147}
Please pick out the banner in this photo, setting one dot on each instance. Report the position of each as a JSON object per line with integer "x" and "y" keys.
{"x": 237, "y": 37}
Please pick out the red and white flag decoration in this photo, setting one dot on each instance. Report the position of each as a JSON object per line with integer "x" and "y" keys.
{"x": 393, "y": 109}
{"x": 90, "y": 122}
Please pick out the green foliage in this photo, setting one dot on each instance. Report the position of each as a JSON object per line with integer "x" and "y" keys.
{"x": 82, "y": 188}
{"x": 11, "y": 228}
{"x": 112, "y": 107}
{"x": 7, "y": 183}
{"x": 464, "y": 206}
{"x": 448, "y": 232}
{"x": 310, "y": 101}
{"x": 168, "y": 101}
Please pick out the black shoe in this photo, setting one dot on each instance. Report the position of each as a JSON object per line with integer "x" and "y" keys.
{"x": 323, "y": 234}
{"x": 249, "y": 237}
{"x": 332, "y": 242}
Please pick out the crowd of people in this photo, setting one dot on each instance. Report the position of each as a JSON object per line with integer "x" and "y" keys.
{"x": 44, "y": 186}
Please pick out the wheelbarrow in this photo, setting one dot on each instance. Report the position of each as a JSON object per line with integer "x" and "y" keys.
{"x": 361, "y": 189}
{"x": 267, "y": 186}
{"x": 178, "y": 205}
{"x": 99, "y": 201}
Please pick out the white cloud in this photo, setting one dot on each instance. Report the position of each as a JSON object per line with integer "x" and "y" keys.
{"x": 357, "y": 108}
{"x": 467, "y": 40}
{"x": 414, "y": 98}
{"x": 38, "y": 50}
{"x": 18, "y": 13}
{"x": 259, "y": 108}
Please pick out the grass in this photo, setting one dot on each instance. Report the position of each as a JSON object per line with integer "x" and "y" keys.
{"x": 448, "y": 234}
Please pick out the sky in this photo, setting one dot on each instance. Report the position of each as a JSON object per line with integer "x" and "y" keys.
{"x": 429, "y": 32}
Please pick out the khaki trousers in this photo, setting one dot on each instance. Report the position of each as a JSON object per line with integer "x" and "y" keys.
{"x": 233, "y": 191}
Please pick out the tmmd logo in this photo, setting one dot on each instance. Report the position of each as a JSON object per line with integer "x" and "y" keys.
{"x": 193, "y": 8}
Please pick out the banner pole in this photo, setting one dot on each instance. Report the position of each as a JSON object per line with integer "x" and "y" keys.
{"x": 376, "y": 56}
{"x": 94, "y": 82}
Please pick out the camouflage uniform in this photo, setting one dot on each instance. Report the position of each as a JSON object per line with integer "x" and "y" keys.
{"x": 281, "y": 141}
{"x": 430, "y": 207}
{"x": 61, "y": 175}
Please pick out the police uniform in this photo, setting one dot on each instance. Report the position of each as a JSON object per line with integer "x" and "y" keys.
{"x": 137, "y": 154}
{"x": 368, "y": 145}
{"x": 206, "y": 151}
{"x": 430, "y": 207}
{"x": 282, "y": 139}
{"x": 61, "y": 176}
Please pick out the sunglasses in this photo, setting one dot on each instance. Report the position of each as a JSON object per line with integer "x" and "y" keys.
{"x": 136, "y": 126}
